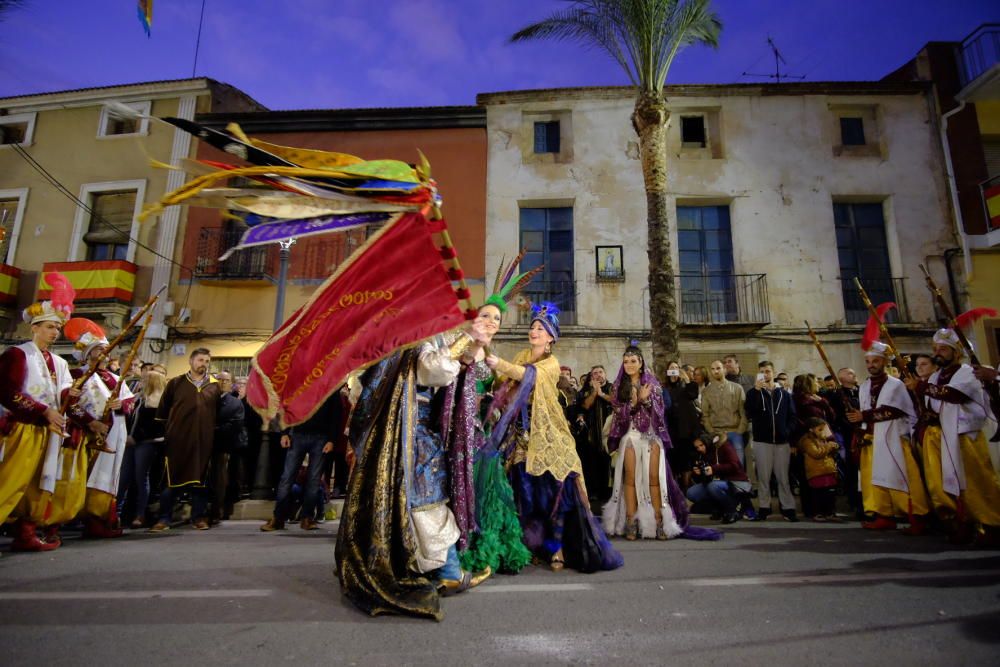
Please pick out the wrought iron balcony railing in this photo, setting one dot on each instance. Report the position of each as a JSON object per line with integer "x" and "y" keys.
{"x": 880, "y": 290}
{"x": 256, "y": 263}
{"x": 979, "y": 52}
{"x": 722, "y": 298}
{"x": 560, "y": 292}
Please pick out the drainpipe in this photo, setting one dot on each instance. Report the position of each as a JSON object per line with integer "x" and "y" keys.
{"x": 953, "y": 190}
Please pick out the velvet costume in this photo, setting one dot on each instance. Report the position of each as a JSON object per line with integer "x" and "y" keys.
{"x": 544, "y": 468}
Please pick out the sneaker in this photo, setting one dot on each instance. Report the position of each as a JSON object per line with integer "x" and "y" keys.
{"x": 749, "y": 514}
{"x": 730, "y": 517}
{"x": 159, "y": 527}
{"x": 200, "y": 524}
{"x": 790, "y": 516}
{"x": 763, "y": 513}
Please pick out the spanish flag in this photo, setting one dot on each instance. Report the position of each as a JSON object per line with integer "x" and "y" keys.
{"x": 992, "y": 198}
{"x": 93, "y": 281}
{"x": 145, "y": 9}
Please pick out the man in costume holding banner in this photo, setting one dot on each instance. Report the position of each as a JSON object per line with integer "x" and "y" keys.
{"x": 891, "y": 482}
{"x": 963, "y": 486}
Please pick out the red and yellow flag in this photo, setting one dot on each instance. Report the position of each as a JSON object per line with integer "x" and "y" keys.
{"x": 992, "y": 198}
{"x": 394, "y": 291}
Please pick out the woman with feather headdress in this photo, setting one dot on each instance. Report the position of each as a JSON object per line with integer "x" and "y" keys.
{"x": 545, "y": 470}
{"x": 35, "y": 384}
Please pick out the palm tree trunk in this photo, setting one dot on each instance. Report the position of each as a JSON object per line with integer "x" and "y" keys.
{"x": 650, "y": 122}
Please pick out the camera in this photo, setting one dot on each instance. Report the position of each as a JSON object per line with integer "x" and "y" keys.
{"x": 698, "y": 472}
{"x": 673, "y": 372}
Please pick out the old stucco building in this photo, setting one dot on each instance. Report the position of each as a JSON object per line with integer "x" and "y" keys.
{"x": 781, "y": 195}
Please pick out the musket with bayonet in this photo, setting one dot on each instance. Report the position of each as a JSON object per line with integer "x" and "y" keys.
{"x": 950, "y": 316}
{"x": 822, "y": 355}
{"x": 899, "y": 360}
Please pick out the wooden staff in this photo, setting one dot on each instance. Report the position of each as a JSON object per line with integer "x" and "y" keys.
{"x": 943, "y": 305}
{"x": 82, "y": 380}
{"x": 822, "y": 355}
{"x": 898, "y": 360}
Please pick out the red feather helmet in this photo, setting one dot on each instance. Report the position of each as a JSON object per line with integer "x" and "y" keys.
{"x": 59, "y": 306}
{"x": 85, "y": 334}
{"x": 872, "y": 330}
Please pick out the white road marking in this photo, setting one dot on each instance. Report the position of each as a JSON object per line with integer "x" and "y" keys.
{"x": 135, "y": 595}
{"x": 534, "y": 588}
{"x": 835, "y": 577}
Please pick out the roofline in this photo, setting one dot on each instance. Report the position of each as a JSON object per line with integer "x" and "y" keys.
{"x": 328, "y": 120}
{"x": 141, "y": 89}
{"x": 716, "y": 90}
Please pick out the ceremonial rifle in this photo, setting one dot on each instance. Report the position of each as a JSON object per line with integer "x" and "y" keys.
{"x": 82, "y": 380}
{"x": 943, "y": 305}
{"x": 101, "y": 439}
{"x": 822, "y": 355}
{"x": 898, "y": 360}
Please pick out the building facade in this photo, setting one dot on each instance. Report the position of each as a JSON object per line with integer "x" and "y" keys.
{"x": 73, "y": 179}
{"x": 781, "y": 195}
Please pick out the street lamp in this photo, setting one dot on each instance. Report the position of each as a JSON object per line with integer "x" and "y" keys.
{"x": 261, "y": 485}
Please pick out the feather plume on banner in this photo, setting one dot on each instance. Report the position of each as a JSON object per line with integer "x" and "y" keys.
{"x": 970, "y": 317}
{"x": 872, "y": 332}
{"x": 145, "y": 10}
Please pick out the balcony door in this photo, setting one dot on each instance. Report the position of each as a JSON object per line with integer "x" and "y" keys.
{"x": 863, "y": 252}
{"x": 705, "y": 250}
{"x": 547, "y": 236}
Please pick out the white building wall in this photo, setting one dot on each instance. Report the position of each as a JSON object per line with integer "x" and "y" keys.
{"x": 772, "y": 160}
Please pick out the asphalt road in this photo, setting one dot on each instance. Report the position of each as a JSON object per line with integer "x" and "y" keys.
{"x": 768, "y": 594}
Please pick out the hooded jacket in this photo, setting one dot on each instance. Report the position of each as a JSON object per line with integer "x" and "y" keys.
{"x": 773, "y": 415}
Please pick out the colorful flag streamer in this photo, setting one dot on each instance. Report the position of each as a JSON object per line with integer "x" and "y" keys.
{"x": 145, "y": 10}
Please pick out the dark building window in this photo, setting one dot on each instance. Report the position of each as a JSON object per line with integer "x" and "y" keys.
{"x": 693, "y": 131}
{"x": 547, "y": 137}
{"x": 852, "y": 132}
{"x": 547, "y": 237}
{"x": 107, "y": 234}
{"x": 705, "y": 250}
{"x": 863, "y": 252}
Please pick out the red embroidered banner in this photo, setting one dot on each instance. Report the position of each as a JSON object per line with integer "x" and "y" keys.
{"x": 392, "y": 292}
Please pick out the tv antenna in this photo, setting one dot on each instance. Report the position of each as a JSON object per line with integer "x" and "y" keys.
{"x": 779, "y": 60}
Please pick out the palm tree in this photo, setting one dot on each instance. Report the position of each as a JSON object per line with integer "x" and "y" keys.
{"x": 644, "y": 37}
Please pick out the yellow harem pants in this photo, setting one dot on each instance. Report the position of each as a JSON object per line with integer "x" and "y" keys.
{"x": 97, "y": 503}
{"x": 891, "y": 502}
{"x": 63, "y": 504}
{"x": 24, "y": 452}
{"x": 981, "y": 496}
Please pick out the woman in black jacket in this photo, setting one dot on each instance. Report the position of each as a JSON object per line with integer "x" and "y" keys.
{"x": 683, "y": 421}
{"x": 145, "y": 440}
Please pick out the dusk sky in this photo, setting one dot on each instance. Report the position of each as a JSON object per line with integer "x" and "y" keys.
{"x": 295, "y": 54}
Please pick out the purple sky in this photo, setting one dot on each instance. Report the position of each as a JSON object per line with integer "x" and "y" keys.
{"x": 292, "y": 54}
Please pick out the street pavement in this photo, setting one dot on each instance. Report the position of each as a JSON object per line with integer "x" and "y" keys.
{"x": 771, "y": 593}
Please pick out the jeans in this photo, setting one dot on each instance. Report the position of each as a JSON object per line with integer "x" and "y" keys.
{"x": 199, "y": 502}
{"x": 302, "y": 444}
{"x": 736, "y": 440}
{"x": 137, "y": 461}
{"x": 451, "y": 569}
{"x": 717, "y": 492}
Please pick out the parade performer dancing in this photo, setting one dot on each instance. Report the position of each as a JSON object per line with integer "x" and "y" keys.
{"x": 496, "y": 541}
{"x": 396, "y": 546}
{"x": 646, "y": 499}
{"x": 34, "y": 384}
{"x": 541, "y": 455}
{"x": 960, "y": 478}
{"x": 891, "y": 482}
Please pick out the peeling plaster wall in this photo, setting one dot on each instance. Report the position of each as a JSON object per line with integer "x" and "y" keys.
{"x": 773, "y": 159}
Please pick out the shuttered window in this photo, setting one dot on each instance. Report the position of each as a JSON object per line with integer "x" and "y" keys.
{"x": 107, "y": 234}
{"x": 8, "y": 211}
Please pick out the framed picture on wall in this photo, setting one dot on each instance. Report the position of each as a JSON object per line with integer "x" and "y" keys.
{"x": 610, "y": 267}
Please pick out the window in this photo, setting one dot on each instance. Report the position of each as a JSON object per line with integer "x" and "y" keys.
{"x": 17, "y": 129}
{"x": 705, "y": 250}
{"x": 852, "y": 131}
{"x": 107, "y": 235}
{"x": 547, "y": 137}
{"x": 863, "y": 252}
{"x": 238, "y": 366}
{"x": 111, "y": 126}
{"x": 693, "y": 132}
{"x": 8, "y": 212}
{"x": 547, "y": 237}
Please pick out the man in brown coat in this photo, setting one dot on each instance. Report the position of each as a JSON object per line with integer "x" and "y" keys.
{"x": 189, "y": 406}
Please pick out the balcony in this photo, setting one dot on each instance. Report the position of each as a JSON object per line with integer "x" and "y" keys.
{"x": 979, "y": 64}
{"x": 10, "y": 279}
{"x": 252, "y": 266}
{"x": 722, "y": 299}
{"x": 880, "y": 290}
{"x": 560, "y": 292}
